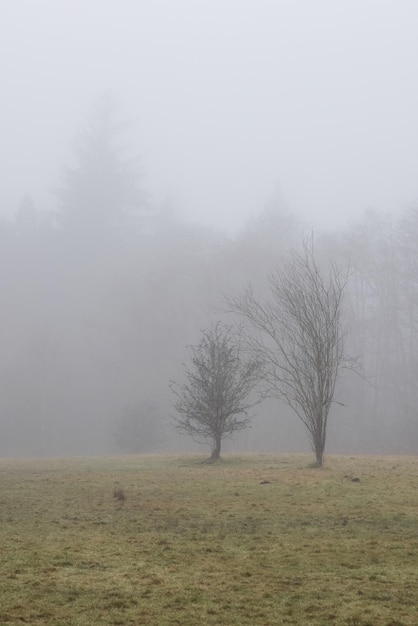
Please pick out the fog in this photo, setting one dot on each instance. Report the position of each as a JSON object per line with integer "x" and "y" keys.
{"x": 226, "y": 100}
{"x": 252, "y": 123}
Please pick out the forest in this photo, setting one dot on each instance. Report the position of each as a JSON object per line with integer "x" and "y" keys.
{"x": 102, "y": 296}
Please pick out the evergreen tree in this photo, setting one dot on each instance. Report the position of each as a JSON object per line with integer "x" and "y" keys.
{"x": 102, "y": 190}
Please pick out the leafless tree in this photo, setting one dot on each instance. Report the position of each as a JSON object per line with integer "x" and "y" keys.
{"x": 219, "y": 390}
{"x": 297, "y": 333}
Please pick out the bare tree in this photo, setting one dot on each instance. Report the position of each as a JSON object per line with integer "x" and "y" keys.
{"x": 299, "y": 338}
{"x": 221, "y": 379}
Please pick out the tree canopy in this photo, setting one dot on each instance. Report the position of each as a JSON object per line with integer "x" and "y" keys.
{"x": 214, "y": 401}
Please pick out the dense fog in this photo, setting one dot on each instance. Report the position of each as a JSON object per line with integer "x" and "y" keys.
{"x": 159, "y": 155}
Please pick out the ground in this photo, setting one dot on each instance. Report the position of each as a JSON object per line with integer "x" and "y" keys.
{"x": 252, "y": 540}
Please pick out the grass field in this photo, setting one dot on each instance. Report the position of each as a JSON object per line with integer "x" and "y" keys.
{"x": 248, "y": 541}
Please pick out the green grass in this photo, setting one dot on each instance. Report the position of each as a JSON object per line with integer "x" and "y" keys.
{"x": 196, "y": 543}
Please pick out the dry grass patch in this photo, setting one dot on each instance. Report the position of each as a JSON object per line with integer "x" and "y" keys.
{"x": 251, "y": 540}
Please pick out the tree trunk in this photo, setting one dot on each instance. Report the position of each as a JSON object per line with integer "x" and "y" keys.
{"x": 216, "y": 449}
{"x": 319, "y": 445}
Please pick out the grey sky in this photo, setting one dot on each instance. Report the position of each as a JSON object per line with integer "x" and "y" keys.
{"x": 229, "y": 97}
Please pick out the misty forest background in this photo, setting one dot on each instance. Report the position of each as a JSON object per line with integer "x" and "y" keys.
{"x": 101, "y": 296}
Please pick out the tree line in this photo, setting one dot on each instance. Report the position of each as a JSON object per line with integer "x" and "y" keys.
{"x": 101, "y": 296}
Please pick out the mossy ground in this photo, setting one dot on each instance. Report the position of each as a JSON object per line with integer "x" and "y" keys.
{"x": 254, "y": 540}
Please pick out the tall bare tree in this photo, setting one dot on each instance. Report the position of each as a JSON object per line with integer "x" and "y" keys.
{"x": 214, "y": 401}
{"x": 298, "y": 335}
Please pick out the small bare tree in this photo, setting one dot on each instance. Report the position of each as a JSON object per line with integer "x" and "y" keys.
{"x": 221, "y": 379}
{"x": 299, "y": 338}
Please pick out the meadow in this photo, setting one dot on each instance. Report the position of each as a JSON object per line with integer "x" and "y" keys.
{"x": 252, "y": 540}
